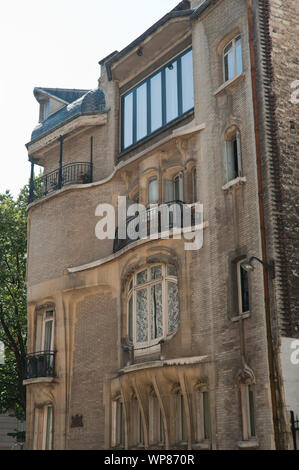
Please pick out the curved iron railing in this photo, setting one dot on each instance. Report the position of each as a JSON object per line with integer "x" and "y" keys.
{"x": 40, "y": 364}
{"x": 153, "y": 222}
{"x": 71, "y": 173}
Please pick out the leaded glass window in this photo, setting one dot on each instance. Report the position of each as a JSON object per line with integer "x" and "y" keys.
{"x": 153, "y": 305}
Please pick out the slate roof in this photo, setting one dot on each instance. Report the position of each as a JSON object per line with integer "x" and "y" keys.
{"x": 92, "y": 102}
{"x": 65, "y": 94}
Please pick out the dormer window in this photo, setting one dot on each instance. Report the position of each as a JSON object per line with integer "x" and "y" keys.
{"x": 159, "y": 100}
{"x": 44, "y": 110}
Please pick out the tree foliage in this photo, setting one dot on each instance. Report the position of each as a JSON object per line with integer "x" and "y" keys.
{"x": 13, "y": 313}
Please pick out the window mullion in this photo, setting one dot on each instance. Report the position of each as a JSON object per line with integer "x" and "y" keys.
{"x": 163, "y": 89}
{"x": 179, "y": 86}
{"x": 134, "y": 116}
{"x": 149, "y": 107}
{"x": 235, "y": 57}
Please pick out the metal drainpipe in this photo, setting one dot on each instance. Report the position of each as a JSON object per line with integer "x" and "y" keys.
{"x": 262, "y": 230}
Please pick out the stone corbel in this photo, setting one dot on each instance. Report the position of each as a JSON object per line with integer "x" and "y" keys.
{"x": 182, "y": 146}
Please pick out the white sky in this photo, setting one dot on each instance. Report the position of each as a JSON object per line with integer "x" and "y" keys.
{"x": 57, "y": 44}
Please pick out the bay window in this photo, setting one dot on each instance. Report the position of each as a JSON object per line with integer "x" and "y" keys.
{"x": 160, "y": 99}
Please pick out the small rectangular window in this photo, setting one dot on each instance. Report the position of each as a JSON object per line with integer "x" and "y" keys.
{"x": 156, "y": 427}
{"x": 118, "y": 425}
{"x": 206, "y": 415}
{"x": 232, "y": 59}
{"x": 243, "y": 289}
{"x": 182, "y": 434}
{"x": 232, "y": 157}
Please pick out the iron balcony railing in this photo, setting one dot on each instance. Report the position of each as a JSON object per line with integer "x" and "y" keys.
{"x": 153, "y": 222}
{"x": 40, "y": 364}
{"x": 72, "y": 173}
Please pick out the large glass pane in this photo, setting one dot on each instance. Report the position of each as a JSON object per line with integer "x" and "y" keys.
{"x": 141, "y": 121}
{"x": 239, "y": 62}
{"x": 141, "y": 316}
{"x": 156, "y": 311}
{"x": 153, "y": 191}
{"x": 173, "y": 307}
{"x": 128, "y": 120}
{"x": 187, "y": 82}
{"x": 179, "y": 188}
{"x": 48, "y": 335}
{"x": 171, "y": 91}
{"x": 228, "y": 62}
{"x": 244, "y": 290}
{"x": 156, "y": 102}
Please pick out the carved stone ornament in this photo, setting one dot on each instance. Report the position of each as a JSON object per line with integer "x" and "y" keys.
{"x": 246, "y": 375}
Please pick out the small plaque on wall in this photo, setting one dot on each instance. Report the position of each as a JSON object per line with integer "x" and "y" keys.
{"x": 77, "y": 421}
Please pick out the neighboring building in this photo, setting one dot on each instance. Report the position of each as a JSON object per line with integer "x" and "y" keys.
{"x": 146, "y": 344}
{"x": 8, "y": 424}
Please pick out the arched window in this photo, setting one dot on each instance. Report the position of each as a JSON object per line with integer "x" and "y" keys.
{"x": 174, "y": 188}
{"x": 232, "y": 59}
{"x": 152, "y": 305}
{"x": 153, "y": 192}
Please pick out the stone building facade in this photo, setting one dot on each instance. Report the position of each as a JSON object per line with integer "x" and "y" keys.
{"x": 147, "y": 343}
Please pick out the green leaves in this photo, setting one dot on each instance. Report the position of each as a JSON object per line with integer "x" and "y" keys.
{"x": 13, "y": 308}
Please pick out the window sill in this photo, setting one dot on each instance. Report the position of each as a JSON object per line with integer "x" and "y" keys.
{"x": 249, "y": 444}
{"x": 234, "y": 183}
{"x": 240, "y": 317}
{"x": 229, "y": 83}
{"x": 149, "y": 350}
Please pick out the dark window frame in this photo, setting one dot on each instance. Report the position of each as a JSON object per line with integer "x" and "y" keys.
{"x": 147, "y": 81}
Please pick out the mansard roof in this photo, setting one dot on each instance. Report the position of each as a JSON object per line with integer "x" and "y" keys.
{"x": 91, "y": 102}
{"x": 62, "y": 94}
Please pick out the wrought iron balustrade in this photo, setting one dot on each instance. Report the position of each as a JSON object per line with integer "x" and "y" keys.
{"x": 154, "y": 221}
{"x": 40, "y": 364}
{"x": 71, "y": 173}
